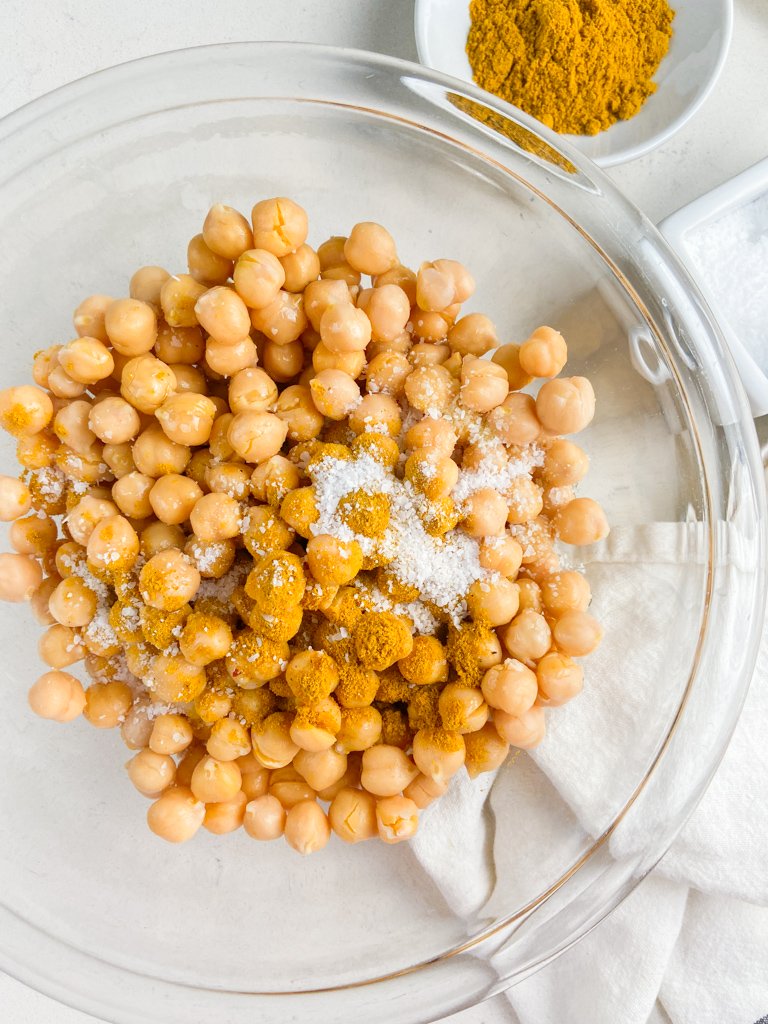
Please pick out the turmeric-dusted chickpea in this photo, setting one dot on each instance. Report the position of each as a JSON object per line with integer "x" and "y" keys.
{"x": 352, "y": 363}
{"x": 227, "y": 360}
{"x": 173, "y": 497}
{"x": 581, "y": 521}
{"x": 225, "y": 816}
{"x": 473, "y": 335}
{"x": 20, "y": 576}
{"x": 113, "y": 545}
{"x": 159, "y": 537}
{"x": 216, "y": 517}
{"x": 131, "y": 494}
{"x": 484, "y": 385}
{"x": 283, "y": 362}
{"x": 271, "y": 740}
{"x": 360, "y": 729}
{"x": 136, "y": 729}
{"x": 223, "y": 314}
{"x": 432, "y": 434}
{"x": 486, "y": 751}
{"x": 177, "y": 815}
{"x": 527, "y": 637}
{"x": 388, "y": 309}
{"x": 297, "y": 410}
{"x": 38, "y": 603}
{"x": 205, "y": 265}
{"x": 493, "y": 600}
{"x": 279, "y": 225}
{"x": 306, "y": 827}
{"x": 57, "y": 696}
{"x": 37, "y": 451}
{"x": 264, "y": 818}
{"x": 544, "y": 354}
{"x": 386, "y": 373}
{"x": 232, "y": 478}
{"x": 515, "y": 420}
{"x": 86, "y": 360}
{"x": 33, "y": 535}
{"x": 25, "y": 410}
{"x": 333, "y": 561}
{"x": 370, "y": 249}
{"x": 430, "y": 389}
{"x": 462, "y": 708}
{"x": 131, "y": 326}
{"x": 379, "y": 413}
{"x": 119, "y": 458}
{"x": 187, "y": 418}
{"x": 146, "y": 285}
{"x": 215, "y": 781}
{"x": 352, "y": 815}
{"x": 566, "y": 405}
{"x": 438, "y": 753}
{"x": 256, "y": 436}
{"x": 73, "y": 603}
{"x": 114, "y": 420}
{"x": 524, "y": 731}
{"x": 485, "y": 513}
{"x": 151, "y": 772}
{"x": 252, "y": 390}
{"x": 560, "y": 678}
{"x": 502, "y": 554}
{"x": 319, "y": 296}
{"x": 229, "y": 740}
{"x": 274, "y": 479}
{"x": 178, "y": 296}
{"x": 88, "y": 318}
{"x": 334, "y": 393}
{"x": 433, "y": 474}
{"x": 397, "y": 818}
{"x": 170, "y": 734}
{"x": 343, "y": 328}
{"x": 564, "y": 463}
{"x": 426, "y": 663}
{"x": 387, "y": 770}
{"x": 510, "y": 687}
{"x": 577, "y": 633}
{"x": 168, "y": 580}
{"x": 107, "y": 704}
{"x": 300, "y": 267}
{"x": 146, "y": 383}
{"x": 227, "y": 232}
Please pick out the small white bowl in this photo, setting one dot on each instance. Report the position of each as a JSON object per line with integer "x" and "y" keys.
{"x": 702, "y": 35}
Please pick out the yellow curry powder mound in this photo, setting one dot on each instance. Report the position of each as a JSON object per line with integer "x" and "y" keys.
{"x": 575, "y": 65}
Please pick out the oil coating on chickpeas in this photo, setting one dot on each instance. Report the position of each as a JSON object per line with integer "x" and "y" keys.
{"x": 297, "y": 515}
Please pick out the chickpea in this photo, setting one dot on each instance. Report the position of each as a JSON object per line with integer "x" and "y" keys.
{"x": 508, "y": 356}
{"x": 388, "y": 309}
{"x": 527, "y": 637}
{"x": 43, "y": 362}
{"x": 370, "y": 249}
{"x": 397, "y": 818}
{"x": 178, "y": 296}
{"x": 151, "y": 772}
{"x": 38, "y": 603}
{"x": 146, "y": 383}
{"x": 530, "y": 595}
{"x": 524, "y": 731}
{"x": 379, "y": 413}
{"x": 279, "y": 226}
{"x": 321, "y": 768}
{"x": 228, "y": 360}
{"x": 343, "y": 328}
{"x": 484, "y": 385}
{"x": 515, "y": 420}
{"x": 252, "y": 390}
{"x": 333, "y": 561}
{"x": 274, "y": 479}
{"x": 473, "y": 335}
{"x": 300, "y": 267}
{"x": 86, "y": 360}
{"x": 114, "y": 420}
{"x": 107, "y": 704}
{"x": 255, "y": 777}
{"x": 57, "y": 696}
{"x": 424, "y": 790}
{"x": 227, "y": 816}
{"x": 566, "y": 405}
{"x": 319, "y": 296}
{"x": 352, "y": 363}
{"x": 334, "y": 393}
{"x": 228, "y": 740}
{"x": 168, "y": 580}
{"x": 435, "y": 434}
{"x": 137, "y": 727}
{"x": 131, "y": 494}
{"x": 232, "y": 478}
{"x": 89, "y": 317}
{"x": 61, "y": 385}
{"x": 525, "y": 501}
{"x": 485, "y": 513}
{"x": 146, "y": 285}
{"x": 259, "y": 276}
{"x": 159, "y": 537}
{"x": 462, "y": 708}
{"x": 434, "y": 288}
{"x": 227, "y": 232}
{"x": 298, "y": 411}
{"x": 38, "y": 450}
{"x": 560, "y": 678}
{"x": 215, "y": 781}
{"x": 71, "y": 427}
{"x": 289, "y": 787}
{"x": 565, "y": 591}
{"x": 306, "y": 827}
{"x": 216, "y": 517}
{"x": 264, "y": 818}
{"x": 564, "y": 463}
{"x": 486, "y": 751}
{"x": 434, "y": 475}
{"x": 429, "y": 326}
{"x": 131, "y": 326}
{"x": 272, "y": 743}
{"x": 25, "y": 410}
{"x": 387, "y": 770}
{"x": 386, "y": 373}
{"x": 352, "y": 815}
{"x": 360, "y": 729}
{"x": 283, "y": 362}
{"x": 179, "y": 345}
{"x": 493, "y": 600}
{"x": 577, "y": 633}
{"x": 176, "y": 816}
{"x": 316, "y": 726}
{"x": 502, "y": 554}
{"x": 72, "y": 603}
{"x": 256, "y": 436}
{"x": 581, "y": 521}
{"x": 205, "y": 265}
{"x": 438, "y": 753}
{"x": 463, "y": 281}
{"x": 113, "y": 545}
{"x": 510, "y": 687}
{"x": 187, "y": 418}
{"x": 401, "y": 276}
{"x": 427, "y": 662}
{"x": 171, "y": 734}
{"x": 119, "y": 459}
{"x": 173, "y": 498}
{"x": 331, "y": 252}
{"x": 33, "y": 536}
{"x": 223, "y": 314}
{"x": 544, "y": 354}
{"x": 430, "y": 389}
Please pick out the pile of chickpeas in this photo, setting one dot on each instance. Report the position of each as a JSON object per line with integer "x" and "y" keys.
{"x": 162, "y": 531}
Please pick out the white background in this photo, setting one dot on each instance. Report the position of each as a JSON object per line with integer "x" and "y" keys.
{"x": 47, "y": 43}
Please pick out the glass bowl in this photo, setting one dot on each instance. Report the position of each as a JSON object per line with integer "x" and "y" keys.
{"x": 116, "y": 171}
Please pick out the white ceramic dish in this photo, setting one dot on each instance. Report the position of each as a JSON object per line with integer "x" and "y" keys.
{"x": 678, "y": 229}
{"x": 702, "y": 35}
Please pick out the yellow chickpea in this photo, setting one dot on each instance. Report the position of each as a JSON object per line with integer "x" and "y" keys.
{"x": 73, "y": 603}
{"x": 316, "y": 726}
{"x": 171, "y": 734}
{"x": 114, "y": 420}
{"x": 259, "y": 276}
{"x": 131, "y": 494}
{"x": 264, "y": 818}
{"x": 43, "y": 362}
{"x": 227, "y": 360}
{"x": 321, "y": 768}
{"x": 223, "y": 314}
{"x": 510, "y": 687}
{"x": 205, "y": 638}
{"x": 544, "y": 354}
{"x": 333, "y": 561}
{"x": 300, "y": 267}
{"x": 319, "y": 296}
{"x": 433, "y": 474}
{"x": 215, "y": 781}
{"x": 229, "y": 740}
{"x": 297, "y": 410}
{"x": 352, "y": 363}
{"x": 515, "y": 420}
{"x": 343, "y": 328}
{"x": 252, "y": 390}
{"x": 177, "y": 815}
{"x": 205, "y": 265}
{"x": 151, "y": 773}
{"x": 279, "y": 225}
{"x": 289, "y": 787}
{"x": 530, "y": 595}
{"x": 146, "y": 285}
{"x": 113, "y": 545}
{"x": 71, "y": 427}
{"x": 33, "y": 535}
{"x": 493, "y": 600}
{"x": 89, "y": 317}
{"x": 380, "y": 413}
{"x": 524, "y": 731}
{"x": 38, "y": 603}
{"x": 360, "y": 729}
{"x": 283, "y": 362}
{"x": 119, "y": 458}
{"x": 527, "y": 637}
{"x": 430, "y": 389}
{"x": 159, "y": 537}
{"x": 352, "y": 815}
{"x": 57, "y": 696}
{"x": 577, "y": 633}
{"x": 564, "y": 463}
{"x": 401, "y": 276}
{"x": 25, "y": 410}
{"x": 485, "y": 513}
{"x": 502, "y": 554}
{"x": 168, "y": 580}
{"x": 37, "y": 451}
{"x": 306, "y": 827}
{"x": 388, "y": 310}
{"x": 187, "y": 418}
{"x": 560, "y": 678}
{"x": 463, "y": 282}
{"x": 438, "y": 753}
{"x": 137, "y": 727}
{"x": 386, "y": 374}
{"x": 427, "y": 662}
{"x": 226, "y": 816}
{"x": 581, "y": 521}
{"x": 274, "y": 479}
{"x": 256, "y": 436}
{"x": 227, "y": 232}
{"x": 271, "y": 740}
{"x": 146, "y": 383}
{"x": 566, "y": 405}
{"x": 178, "y": 296}
{"x": 565, "y": 591}
{"x": 107, "y": 704}
{"x": 86, "y": 360}
{"x": 428, "y": 326}
{"x": 179, "y": 345}
{"x": 216, "y": 517}
{"x": 131, "y": 326}
{"x": 334, "y": 394}
{"x": 387, "y": 770}
{"x": 486, "y": 751}
{"x": 370, "y": 249}
{"x": 462, "y": 708}
{"x": 424, "y": 790}
{"x": 173, "y": 497}
{"x": 232, "y": 478}
{"x": 473, "y": 335}
{"x": 397, "y": 819}
{"x": 435, "y": 434}
{"x": 484, "y": 385}
{"x": 434, "y": 288}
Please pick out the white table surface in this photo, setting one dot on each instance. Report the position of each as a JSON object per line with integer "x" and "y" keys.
{"x": 48, "y": 44}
